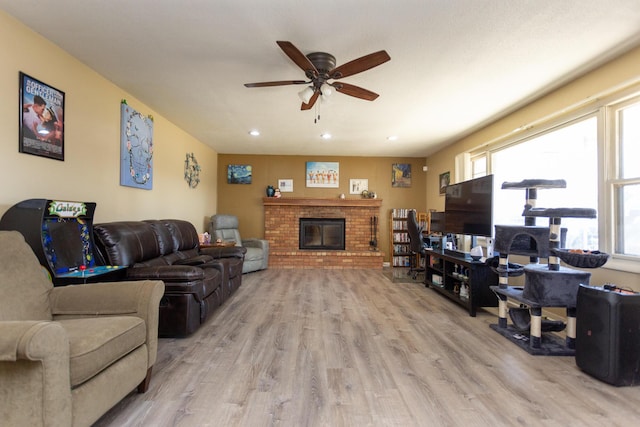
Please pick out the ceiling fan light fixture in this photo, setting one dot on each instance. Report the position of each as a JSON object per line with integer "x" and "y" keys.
{"x": 306, "y": 94}
{"x": 326, "y": 90}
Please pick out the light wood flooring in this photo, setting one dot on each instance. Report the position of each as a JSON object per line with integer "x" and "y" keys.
{"x": 354, "y": 348}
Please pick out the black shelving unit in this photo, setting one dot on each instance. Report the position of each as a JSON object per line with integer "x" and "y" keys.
{"x": 450, "y": 275}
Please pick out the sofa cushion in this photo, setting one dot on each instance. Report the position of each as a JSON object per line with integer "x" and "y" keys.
{"x": 24, "y": 283}
{"x": 96, "y": 343}
{"x": 126, "y": 242}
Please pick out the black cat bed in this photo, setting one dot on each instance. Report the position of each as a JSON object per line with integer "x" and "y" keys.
{"x": 521, "y": 319}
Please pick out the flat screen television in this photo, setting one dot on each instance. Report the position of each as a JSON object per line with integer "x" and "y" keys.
{"x": 469, "y": 207}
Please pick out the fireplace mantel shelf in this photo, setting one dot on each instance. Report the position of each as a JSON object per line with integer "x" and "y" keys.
{"x": 300, "y": 201}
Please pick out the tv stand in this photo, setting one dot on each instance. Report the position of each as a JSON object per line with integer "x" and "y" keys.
{"x": 461, "y": 279}
{"x": 457, "y": 254}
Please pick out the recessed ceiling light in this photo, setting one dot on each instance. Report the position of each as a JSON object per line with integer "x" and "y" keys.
{"x": 325, "y": 136}
{"x": 392, "y": 138}
{"x": 254, "y": 133}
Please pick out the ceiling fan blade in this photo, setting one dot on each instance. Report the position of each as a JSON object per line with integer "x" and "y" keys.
{"x": 278, "y": 83}
{"x": 312, "y": 101}
{"x": 361, "y": 64}
{"x": 299, "y": 58}
{"x": 356, "y": 91}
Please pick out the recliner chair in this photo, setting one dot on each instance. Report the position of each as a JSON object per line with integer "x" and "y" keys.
{"x": 417, "y": 246}
{"x": 225, "y": 228}
{"x": 69, "y": 353}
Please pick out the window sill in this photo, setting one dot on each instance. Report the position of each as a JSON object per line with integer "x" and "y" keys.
{"x": 630, "y": 266}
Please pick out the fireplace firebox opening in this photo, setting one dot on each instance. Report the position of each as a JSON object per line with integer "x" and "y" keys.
{"x": 322, "y": 233}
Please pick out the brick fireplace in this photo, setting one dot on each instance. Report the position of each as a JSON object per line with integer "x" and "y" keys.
{"x": 281, "y": 225}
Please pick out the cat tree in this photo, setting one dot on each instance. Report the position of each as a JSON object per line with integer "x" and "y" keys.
{"x": 546, "y": 285}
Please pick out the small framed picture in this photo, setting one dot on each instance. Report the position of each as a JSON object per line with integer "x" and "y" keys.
{"x": 401, "y": 175}
{"x": 41, "y": 119}
{"x": 323, "y": 174}
{"x": 239, "y": 174}
{"x": 357, "y": 186}
{"x": 285, "y": 185}
{"x": 444, "y": 181}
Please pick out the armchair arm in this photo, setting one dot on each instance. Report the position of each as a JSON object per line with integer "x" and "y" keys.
{"x": 256, "y": 243}
{"x": 131, "y": 298}
{"x": 36, "y": 387}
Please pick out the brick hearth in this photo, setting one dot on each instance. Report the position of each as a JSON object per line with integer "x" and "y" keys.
{"x": 281, "y": 224}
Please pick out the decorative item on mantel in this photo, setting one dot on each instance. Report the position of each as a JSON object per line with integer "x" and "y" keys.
{"x": 366, "y": 194}
{"x": 270, "y": 191}
{"x": 277, "y": 193}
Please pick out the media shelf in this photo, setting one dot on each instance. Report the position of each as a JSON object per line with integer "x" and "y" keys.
{"x": 399, "y": 238}
{"x": 464, "y": 281}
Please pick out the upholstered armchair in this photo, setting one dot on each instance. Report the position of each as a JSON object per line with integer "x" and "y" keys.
{"x": 68, "y": 354}
{"x": 225, "y": 228}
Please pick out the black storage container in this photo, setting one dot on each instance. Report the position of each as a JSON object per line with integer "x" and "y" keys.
{"x": 608, "y": 334}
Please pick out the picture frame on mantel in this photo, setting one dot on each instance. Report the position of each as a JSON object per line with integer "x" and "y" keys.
{"x": 323, "y": 174}
{"x": 357, "y": 186}
{"x": 285, "y": 185}
{"x": 41, "y": 119}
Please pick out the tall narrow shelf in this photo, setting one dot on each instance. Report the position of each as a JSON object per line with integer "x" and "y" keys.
{"x": 399, "y": 238}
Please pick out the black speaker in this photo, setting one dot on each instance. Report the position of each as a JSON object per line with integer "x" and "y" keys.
{"x": 608, "y": 334}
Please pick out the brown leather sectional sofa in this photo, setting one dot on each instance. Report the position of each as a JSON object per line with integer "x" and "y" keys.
{"x": 197, "y": 281}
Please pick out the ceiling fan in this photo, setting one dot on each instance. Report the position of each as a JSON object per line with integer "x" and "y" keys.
{"x": 320, "y": 67}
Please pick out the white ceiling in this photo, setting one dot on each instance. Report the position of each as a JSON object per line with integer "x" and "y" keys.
{"x": 455, "y": 64}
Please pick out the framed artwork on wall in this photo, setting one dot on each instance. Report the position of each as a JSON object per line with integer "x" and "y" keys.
{"x": 136, "y": 148}
{"x": 323, "y": 174}
{"x": 285, "y": 185}
{"x": 357, "y": 186}
{"x": 401, "y": 175}
{"x": 444, "y": 181}
{"x": 41, "y": 119}
{"x": 239, "y": 174}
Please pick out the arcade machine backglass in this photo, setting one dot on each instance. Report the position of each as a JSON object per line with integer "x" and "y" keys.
{"x": 61, "y": 235}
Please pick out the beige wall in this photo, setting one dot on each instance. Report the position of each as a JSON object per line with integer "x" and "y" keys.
{"x": 614, "y": 76}
{"x": 91, "y": 169}
{"x": 245, "y": 201}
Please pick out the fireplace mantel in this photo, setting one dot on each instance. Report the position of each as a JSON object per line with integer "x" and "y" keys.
{"x": 305, "y": 201}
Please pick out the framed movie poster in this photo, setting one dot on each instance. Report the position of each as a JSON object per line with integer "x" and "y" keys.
{"x": 323, "y": 174}
{"x": 41, "y": 119}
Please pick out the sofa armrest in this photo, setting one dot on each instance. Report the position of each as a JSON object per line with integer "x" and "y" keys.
{"x": 130, "y": 298}
{"x": 166, "y": 273}
{"x": 36, "y": 387}
{"x": 224, "y": 252}
{"x": 196, "y": 260}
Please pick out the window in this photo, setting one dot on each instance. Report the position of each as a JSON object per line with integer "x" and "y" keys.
{"x": 569, "y": 152}
{"x": 625, "y": 177}
{"x": 596, "y": 152}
